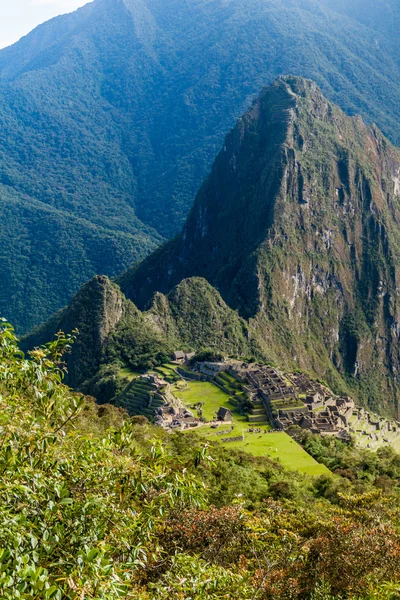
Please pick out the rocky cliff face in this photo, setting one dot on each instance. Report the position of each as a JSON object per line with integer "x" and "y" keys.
{"x": 298, "y": 227}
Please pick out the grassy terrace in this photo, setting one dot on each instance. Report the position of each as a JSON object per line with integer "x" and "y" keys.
{"x": 127, "y": 373}
{"x": 136, "y": 398}
{"x": 232, "y": 385}
{"x": 276, "y": 445}
{"x": 202, "y": 391}
{"x": 167, "y": 372}
{"x": 291, "y": 404}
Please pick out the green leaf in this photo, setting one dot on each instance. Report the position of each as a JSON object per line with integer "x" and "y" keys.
{"x": 66, "y": 501}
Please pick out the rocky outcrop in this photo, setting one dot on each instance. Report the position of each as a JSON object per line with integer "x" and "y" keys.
{"x": 297, "y": 226}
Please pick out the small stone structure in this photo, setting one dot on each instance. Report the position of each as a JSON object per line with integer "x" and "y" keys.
{"x": 191, "y": 375}
{"x": 224, "y": 414}
{"x": 212, "y": 368}
{"x": 238, "y": 438}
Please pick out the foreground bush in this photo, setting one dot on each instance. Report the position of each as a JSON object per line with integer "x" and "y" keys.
{"x": 94, "y": 505}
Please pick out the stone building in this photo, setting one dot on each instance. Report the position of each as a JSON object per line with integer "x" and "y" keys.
{"x": 224, "y": 414}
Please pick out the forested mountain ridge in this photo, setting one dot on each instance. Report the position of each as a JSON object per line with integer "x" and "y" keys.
{"x": 47, "y": 252}
{"x": 297, "y": 226}
{"x": 114, "y": 113}
{"x": 297, "y": 229}
{"x": 113, "y": 332}
{"x": 382, "y": 16}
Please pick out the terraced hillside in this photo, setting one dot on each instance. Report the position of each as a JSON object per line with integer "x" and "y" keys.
{"x": 142, "y": 397}
{"x": 167, "y": 372}
{"x": 372, "y": 431}
{"x": 257, "y": 438}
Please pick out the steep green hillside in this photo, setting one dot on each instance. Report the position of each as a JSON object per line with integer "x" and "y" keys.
{"x": 297, "y": 226}
{"x": 195, "y": 316}
{"x": 113, "y": 114}
{"x": 46, "y": 252}
{"x": 113, "y": 332}
{"x": 98, "y": 311}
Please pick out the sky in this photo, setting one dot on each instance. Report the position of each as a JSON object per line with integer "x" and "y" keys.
{"x": 19, "y": 17}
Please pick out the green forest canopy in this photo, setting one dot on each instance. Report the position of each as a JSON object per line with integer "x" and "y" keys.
{"x": 110, "y": 120}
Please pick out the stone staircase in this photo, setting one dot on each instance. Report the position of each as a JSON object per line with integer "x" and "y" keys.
{"x": 257, "y": 413}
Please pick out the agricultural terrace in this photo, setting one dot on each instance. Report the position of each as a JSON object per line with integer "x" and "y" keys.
{"x": 276, "y": 445}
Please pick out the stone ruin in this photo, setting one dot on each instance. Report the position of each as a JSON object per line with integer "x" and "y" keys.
{"x": 295, "y": 399}
{"x": 283, "y": 399}
{"x": 238, "y": 438}
{"x": 379, "y": 425}
{"x": 170, "y": 417}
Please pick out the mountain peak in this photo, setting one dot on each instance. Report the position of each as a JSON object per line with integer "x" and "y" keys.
{"x": 297, "y": 227}
{"x": 246, "y": 189}
{"x": 298, "y": 86}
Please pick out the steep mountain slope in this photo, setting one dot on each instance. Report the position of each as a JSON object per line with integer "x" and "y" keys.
{"x": 297, "y": 226}
{"x": 113, "y": 114}
{"x": 112, "y": 331}
{"x": 47, "y": 252}
{"x": 380, "y": 16}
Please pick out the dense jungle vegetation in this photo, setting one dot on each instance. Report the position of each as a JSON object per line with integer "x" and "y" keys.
{"x": 110, "y": 118}
{"x": 96, "y": 505}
